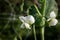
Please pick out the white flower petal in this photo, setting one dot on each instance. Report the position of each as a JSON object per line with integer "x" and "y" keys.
{"x": 22, "y": 18}
{"x": 53, "y": 22}
{"x": 25, "y": 25}
{"x": 52, "y": 14}
{"x": 29, "y": 19}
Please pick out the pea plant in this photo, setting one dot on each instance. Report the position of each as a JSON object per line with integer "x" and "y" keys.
{"x": 19, "y": 19}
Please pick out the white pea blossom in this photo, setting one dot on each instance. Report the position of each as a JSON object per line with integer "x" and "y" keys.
{"x": 52, "y": 14}
{"x": 52, "y": 20}
{"x": 27, "y": 21}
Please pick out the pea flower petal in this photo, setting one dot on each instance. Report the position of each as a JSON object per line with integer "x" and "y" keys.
{"x": 22, "y": 18}
{"x": 52, "y": 14}
{"x": 25, "y": 25}
{"x": 53, "y": 22}
{"x": 28, "y": 19}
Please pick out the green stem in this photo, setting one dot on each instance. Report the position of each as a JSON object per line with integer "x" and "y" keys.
{"x": 20, "y": 37}
{"x": 38, "y": 10}
{"x": 44, "y": 8}
{"x": 15, "y": 38}
{"x": 42, "y": 29}
{"x": 21, "y": 6}
{"x": 34, "y": 32}
{"x": 28, "y": 10}
{"x": 42, "y": 33}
